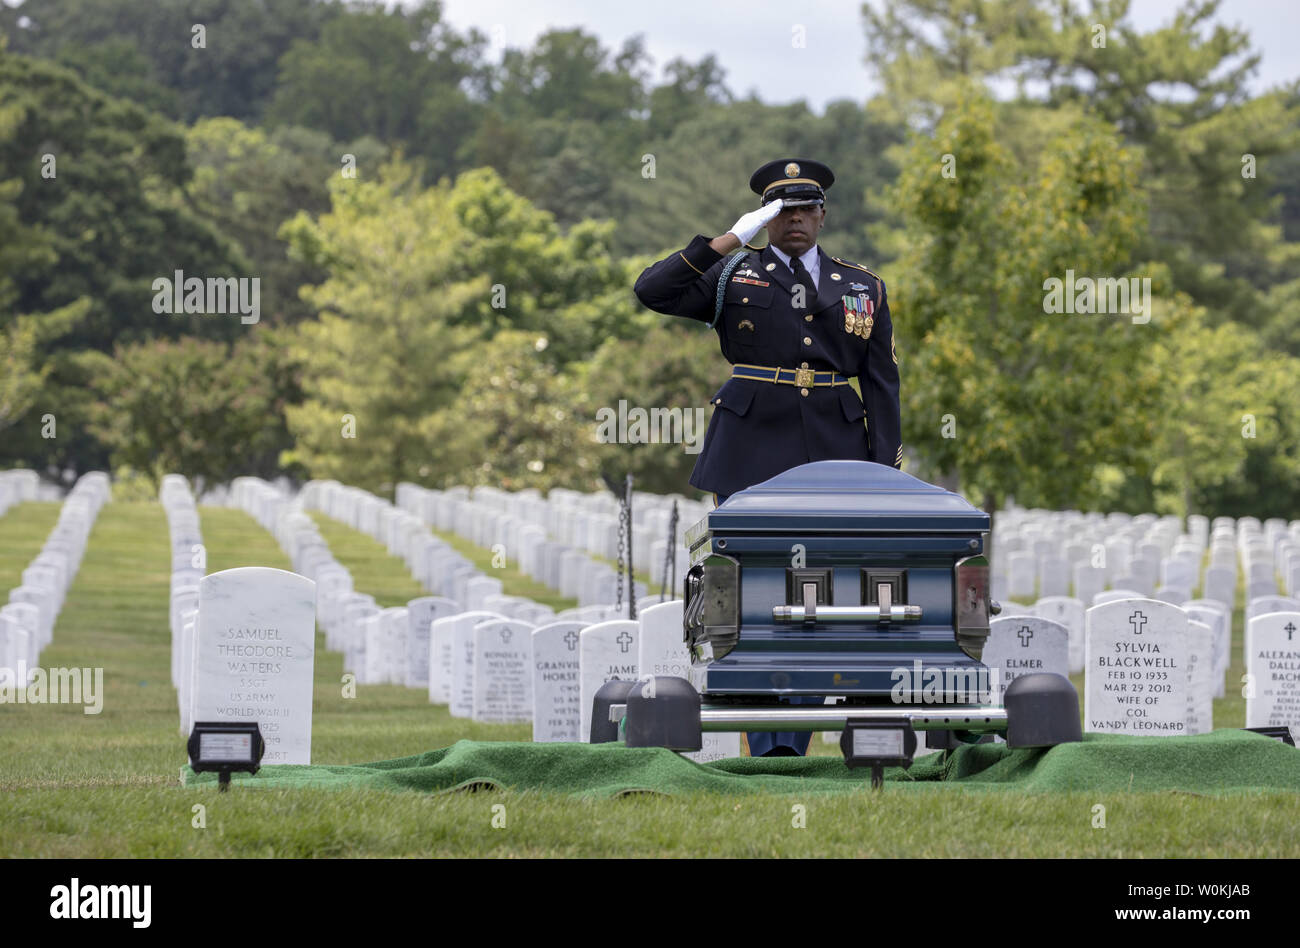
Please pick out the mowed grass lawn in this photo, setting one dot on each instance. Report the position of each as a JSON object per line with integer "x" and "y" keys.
{"x": 107, "y": 785}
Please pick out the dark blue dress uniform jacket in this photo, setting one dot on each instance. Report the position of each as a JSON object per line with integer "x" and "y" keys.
{"x": 760, "y": 429}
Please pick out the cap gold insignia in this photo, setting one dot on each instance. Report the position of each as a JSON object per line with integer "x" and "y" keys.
{"x": 792, "y": 170}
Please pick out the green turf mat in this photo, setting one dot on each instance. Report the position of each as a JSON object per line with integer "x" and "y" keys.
{"x": 1225, "y": 761}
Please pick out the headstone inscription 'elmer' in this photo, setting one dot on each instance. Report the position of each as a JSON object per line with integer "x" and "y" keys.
{"x": 254, "y": 656}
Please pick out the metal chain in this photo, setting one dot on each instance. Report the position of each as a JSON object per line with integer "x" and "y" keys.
{"x": 631, "y": 582}
{"x": 670, "y": 558}
{"x": 618, "y": 594}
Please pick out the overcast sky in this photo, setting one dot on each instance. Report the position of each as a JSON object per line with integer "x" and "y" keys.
{"x": 751, "y": 38}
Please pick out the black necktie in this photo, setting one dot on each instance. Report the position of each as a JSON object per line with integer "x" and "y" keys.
{"x": 803, "y": 278}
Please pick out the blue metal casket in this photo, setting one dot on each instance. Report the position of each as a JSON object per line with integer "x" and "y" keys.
{"x": 840, "y": 578}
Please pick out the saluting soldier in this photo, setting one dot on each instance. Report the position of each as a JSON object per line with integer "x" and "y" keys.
{"x": 796, "y": 324}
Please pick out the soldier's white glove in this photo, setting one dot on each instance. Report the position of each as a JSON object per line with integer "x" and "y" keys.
{"x": 751, "y": 223}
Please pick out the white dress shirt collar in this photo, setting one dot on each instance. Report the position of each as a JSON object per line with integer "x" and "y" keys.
{"x": 812, "y": 260}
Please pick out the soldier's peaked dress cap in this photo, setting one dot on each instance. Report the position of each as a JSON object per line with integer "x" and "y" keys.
{"x": 796, "y": 180}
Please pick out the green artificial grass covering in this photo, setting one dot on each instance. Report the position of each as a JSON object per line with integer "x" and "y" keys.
{"x": 1224, "y": 761}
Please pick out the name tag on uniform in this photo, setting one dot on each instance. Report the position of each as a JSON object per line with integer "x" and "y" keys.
{"x": 749, "y": 281}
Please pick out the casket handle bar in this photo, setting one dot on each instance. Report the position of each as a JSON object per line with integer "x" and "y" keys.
{"x": 814, "y": 613}
{"x": 810, "y": 612}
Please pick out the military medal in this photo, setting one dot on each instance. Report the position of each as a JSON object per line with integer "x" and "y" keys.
{"x": 858, "y": 318}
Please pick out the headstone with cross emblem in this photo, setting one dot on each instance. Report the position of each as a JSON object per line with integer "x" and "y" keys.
{"x": 662, "y": 651}
{"x": 1262, "y": 605}
{"x": 1024, "y": 645}
{"x": 1273, "y": 671}
{"x": 557, "y": 711}
{"x": 1137, "y": 673}
{"x": 1068, "y": 611}
{"x": 606, "y": 651}
{"x": 503, "y": 680}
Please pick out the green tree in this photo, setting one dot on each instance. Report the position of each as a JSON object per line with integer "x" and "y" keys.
{"x": 145, "y": 50}
{"x": 100, "y": 188}
{"x": 1227, "y": 405}
{"x": 247, "y": 183}
{"x": 1012, "y": 398}
{"x": 396, "y": 75}
{"x": 378, "y": 362}
{"x": 516, "y": 421}
{"x": 1178, "y": 95}
{"x": 675, "y": 367}
{"x": 199, "y": 408}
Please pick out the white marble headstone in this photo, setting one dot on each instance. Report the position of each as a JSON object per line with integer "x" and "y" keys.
{"x": 503, "y": 681}
{"x": 454, "y": 641}
{"x": 662, "y": 651}
{"x": 557, "y": 711}
{"x": 254, "y": 656}
{"x": 1067, "y": 611}
{"x": 1024, "y": 645}
{"x": 420, "y": 614}
{"x": 1273, "y": 664}
{"x": 1138, "y": 673}
{"x": 606, "y": 651}
{"x": 1214, "y": 614}
{"x": 1200, "y": 693}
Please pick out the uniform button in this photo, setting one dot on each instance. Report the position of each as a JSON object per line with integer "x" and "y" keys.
{"x": 808, "y": 318}
{"x": 744, "y": 299}
{"x": 803, "y": 392}
{"x": 718, "y": 402}
{"x": 807, "y": 340}
{"x": 803, "y": 365}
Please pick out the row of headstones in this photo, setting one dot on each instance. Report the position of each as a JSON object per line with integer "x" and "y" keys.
{"x": 1269, "y": 550}
{"x": 27, "y": 620}
{"x": 1045, "y": 552}
{"x": 1155, "y": 563}
{"x": 17, "y": 486}
{"x": 590, "y": 521}
{"x": 386, "y": 645}
{"x": 567, "y": 569}
{"x": 489, "y": 668}
{"x": 438, "y": 567}
{"x": 380, "y": 646}
{"x": 1070, "y": 613}
{"x": 1044, "y": 549}
{"x": 1151, "y": 667}
{"x": 188, "y": 565}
